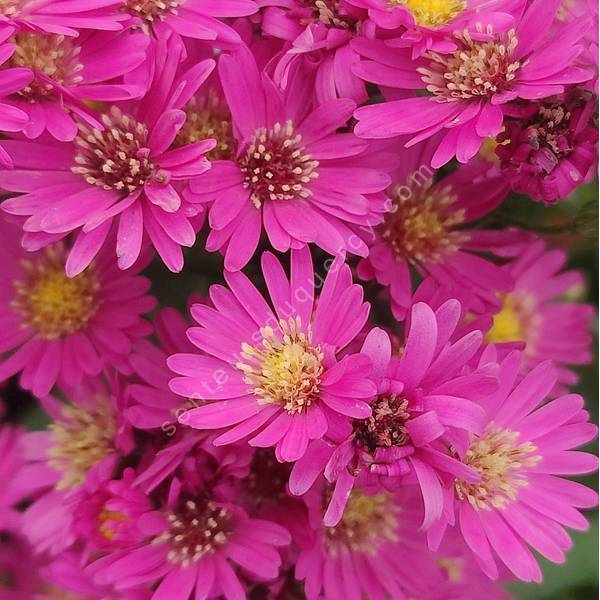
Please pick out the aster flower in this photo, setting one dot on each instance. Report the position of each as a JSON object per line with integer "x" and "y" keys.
{"x": 57, "y": 329}
{"x": 375, "y": 551}
{"x": 12, "y": 79}
{"x": 551, "y": 148}
{"x": 318, "y": 35}
{"x": 62, "y": 17}
{"x": 194, "y": 544}
{"x": 126, "y": 172}
{"x": 541, "y": 312}
{"x": 66, "y": 71}
{"x": 428, "y": 230}
{"x": 470, "y": 87}
{"x": 276, "y": 376}
{"x": 522, "y": 455}
{"x": 196, "y": 19}
{"x": 291, "y": 173}
{"x": 428, "y": 24}
{"x": 425, "y": 399}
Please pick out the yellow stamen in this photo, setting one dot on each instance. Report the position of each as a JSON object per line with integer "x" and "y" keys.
{"x": 432, "y": 13}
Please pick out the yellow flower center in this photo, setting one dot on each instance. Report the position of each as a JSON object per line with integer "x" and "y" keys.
{"x": 208, "y": 117}
{"x": 152, "y": 10}
{"x": 501, "y": 461}
{"x": 83, "y": 438}
{"x": 453, "y": 567}
{"x": 432, "y": 13}
{"x": 109, "y": 523}
{"x": 52, "y": 303}
{"x": 515, "y": 322}
{"x": 285, "y": 369}
{"x": 419, "y": 226}
{"x": 368, "y": 521}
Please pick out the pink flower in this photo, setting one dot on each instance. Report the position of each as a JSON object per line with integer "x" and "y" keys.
{"x": 375, "y": 551}
{"x": 541, "y": 312}
{"x": 196, "y": 19}
{"x": 289, "y": 171}
{"x": 551, "y": 148}
{"x": 276, "y": 376}
{"x": 66, "y": 71}
{"x": 12, "y": 79}
{"x": 425, "y": 399}
{"x": 194, "y": 544}
{"x": 429, "y": 25}
{"x": 124, "y": 172}
{"x": 63, "y": 17}
{"x": 469, "y": 88}
{"x": 522, "y": 499}
{"x": 427, "y": 231}
{"x": 318, "y": 37}
{"x": 58, "y": 330}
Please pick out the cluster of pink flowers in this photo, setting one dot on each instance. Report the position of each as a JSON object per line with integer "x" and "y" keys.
{"x": 373, "y": 398}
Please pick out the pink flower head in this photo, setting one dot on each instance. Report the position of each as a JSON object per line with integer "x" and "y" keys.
{"x": 57, "y": 329}
{"x": 276, "y": 375}
{"x": 552, "y": 148}
{"x": 196, "y": 19}
{"x": 289, "y": 171}
{"x": 12, "y": 79}
{"x": 522, "y": 499}
{"x": 62, "y": 17}
{"x": 429, "y": 25}
{"x": 427, "y": 231}
{"x": 542, "y": 313}
{"x": 66, "y": 71}
{"x": 425, "y": 399}
{"x": 318, "y": 36}
{"x": 469, "y": 88}
{"x": 125, "y": 171}
{"x": 195, "y": 544}
{"x": 375, "y": 551}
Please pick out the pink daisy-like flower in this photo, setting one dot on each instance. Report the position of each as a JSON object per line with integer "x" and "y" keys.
{"x": 551, "y": 148}
{"x": 62, "y": 17}
{"x": 318, "y": 36}
{"x": 126, "y": 171}
{"x": 196, "y": 19}
{"x": 66, "y": 71}
{"x": 275, "y": 375}
{"x": 57, "y": 329}
{"x": 540, "y": 313}
{"x": 429, "y": 24}
{"x": 469, "y": 88}
{"x": 522, "y": 499}
{"x": 427, "y": 231}
{"x": 425, "y": 399}
{"x": 12, "y": 79}
{"x": 193, "y": 545}
{"x": 375, "y": 551}
{"x": 290, "y": 173}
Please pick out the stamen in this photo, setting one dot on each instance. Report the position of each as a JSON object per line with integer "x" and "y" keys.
{"x": 419, "y": 227}
{"x": 502, "y": 463}
{"x": 54, "y": 56}
{"x": 49, "y": 301}
{"x": 515, "y": 322}
{"x": 368, "y": 521}
{"x": 286, "y": 369}
{"x": 152, "y": 10}
{"x": 208, "y": 117}
{"x": 330, "y": 13}
{"x": 84, "y": 437}
{"x": 116, "y": 158}
{"x": 475, "y": 70}
{"x": 197, "y": 528}
{"x": 276, "y": 166}
{"x": 432, "y": 13}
